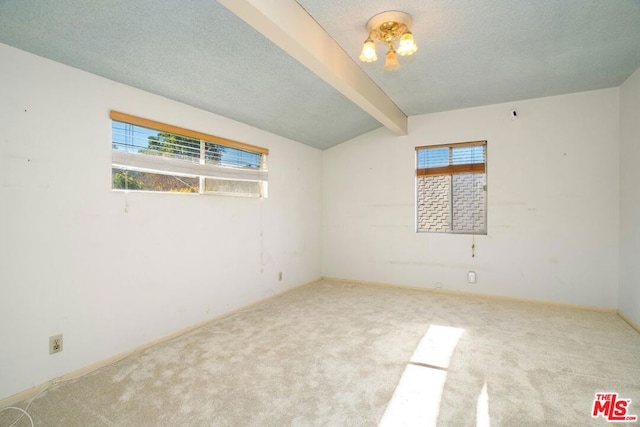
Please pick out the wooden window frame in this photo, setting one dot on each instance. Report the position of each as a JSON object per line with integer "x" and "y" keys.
{"x": 451, "y": 170}
{"x": 176, "y": 167}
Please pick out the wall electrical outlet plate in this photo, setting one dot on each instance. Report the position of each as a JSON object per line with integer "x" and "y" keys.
{"x": 55, "y": 344}
{"x": 472, "y": 277}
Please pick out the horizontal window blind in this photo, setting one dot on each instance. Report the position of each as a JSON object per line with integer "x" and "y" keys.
{"x": 451, "y": 159}
{"x": 150, "y": 147}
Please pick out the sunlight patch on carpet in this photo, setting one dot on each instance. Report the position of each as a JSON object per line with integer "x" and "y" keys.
{"x": 416, "y": 399}
{"x": 437, "y": 346}
{"x": 482, "y": 408}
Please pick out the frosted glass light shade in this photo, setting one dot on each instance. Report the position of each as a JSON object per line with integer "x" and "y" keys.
{"x": 407, "y": 44}
{"x": 368, "y": 51}
{"x": 391, "y": 63}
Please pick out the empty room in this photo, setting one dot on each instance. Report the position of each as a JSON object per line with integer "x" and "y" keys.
{"x": 304, "y": 213}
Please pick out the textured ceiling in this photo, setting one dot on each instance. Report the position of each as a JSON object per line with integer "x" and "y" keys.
{"x": 194, "y": 51}
{"x": 473, "y": 53}
{"x": 470, "y": 53}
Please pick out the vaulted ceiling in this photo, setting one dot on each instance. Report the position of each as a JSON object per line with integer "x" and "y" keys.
{"x": 292, "y": 68}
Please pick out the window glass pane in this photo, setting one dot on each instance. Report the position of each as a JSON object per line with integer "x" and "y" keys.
{"x": 434, "y": 157}
{"x": 228, "y": 156}
{"x": 175, "y": 146}
{"x": 468, "y": 203}
{"x": 467, "y": 155}
{"x": 123, "y": 179}
{"x": 130, "y": 138}
{"x": 248, "y": 188}
{"x": 434, "y": 203}
{"x": 138, "y": 139}
{"x": 213, "y": 153}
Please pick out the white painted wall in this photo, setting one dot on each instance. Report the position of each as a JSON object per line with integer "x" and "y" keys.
{"x": 630, "y": 197}
{"x": 553, "y": 208}
{"x": 112, "y": 271}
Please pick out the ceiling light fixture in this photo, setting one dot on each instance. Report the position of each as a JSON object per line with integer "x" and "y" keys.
{"x": 388, "y": 27}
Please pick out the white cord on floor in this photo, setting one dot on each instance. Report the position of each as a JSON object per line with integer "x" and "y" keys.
{"x": 24, "y": 411}
{"x": 23, "y": 414}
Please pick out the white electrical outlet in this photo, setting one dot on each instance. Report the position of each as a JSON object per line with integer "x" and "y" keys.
{"x": 55, "y": 344}
{"x": 472, "y": 277}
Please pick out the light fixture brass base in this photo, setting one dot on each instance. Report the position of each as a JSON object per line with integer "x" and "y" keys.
{"x": 385, "y": 21}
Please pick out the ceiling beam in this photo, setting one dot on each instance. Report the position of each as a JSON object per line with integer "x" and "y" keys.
{"x": 290, "y": 27}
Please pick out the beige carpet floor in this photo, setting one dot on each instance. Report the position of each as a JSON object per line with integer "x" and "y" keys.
{"x": 337, "y": 354}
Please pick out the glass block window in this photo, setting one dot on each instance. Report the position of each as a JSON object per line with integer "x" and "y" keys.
{"x": 451, "y": 188}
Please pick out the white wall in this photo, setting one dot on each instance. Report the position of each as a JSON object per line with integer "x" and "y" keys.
{"x": 553, "y": 209}
{"x": 630, "y": 197}
{"x": 112, "y": 271}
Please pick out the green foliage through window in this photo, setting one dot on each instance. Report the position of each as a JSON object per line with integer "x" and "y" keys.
{"x": 155, "y": 160}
